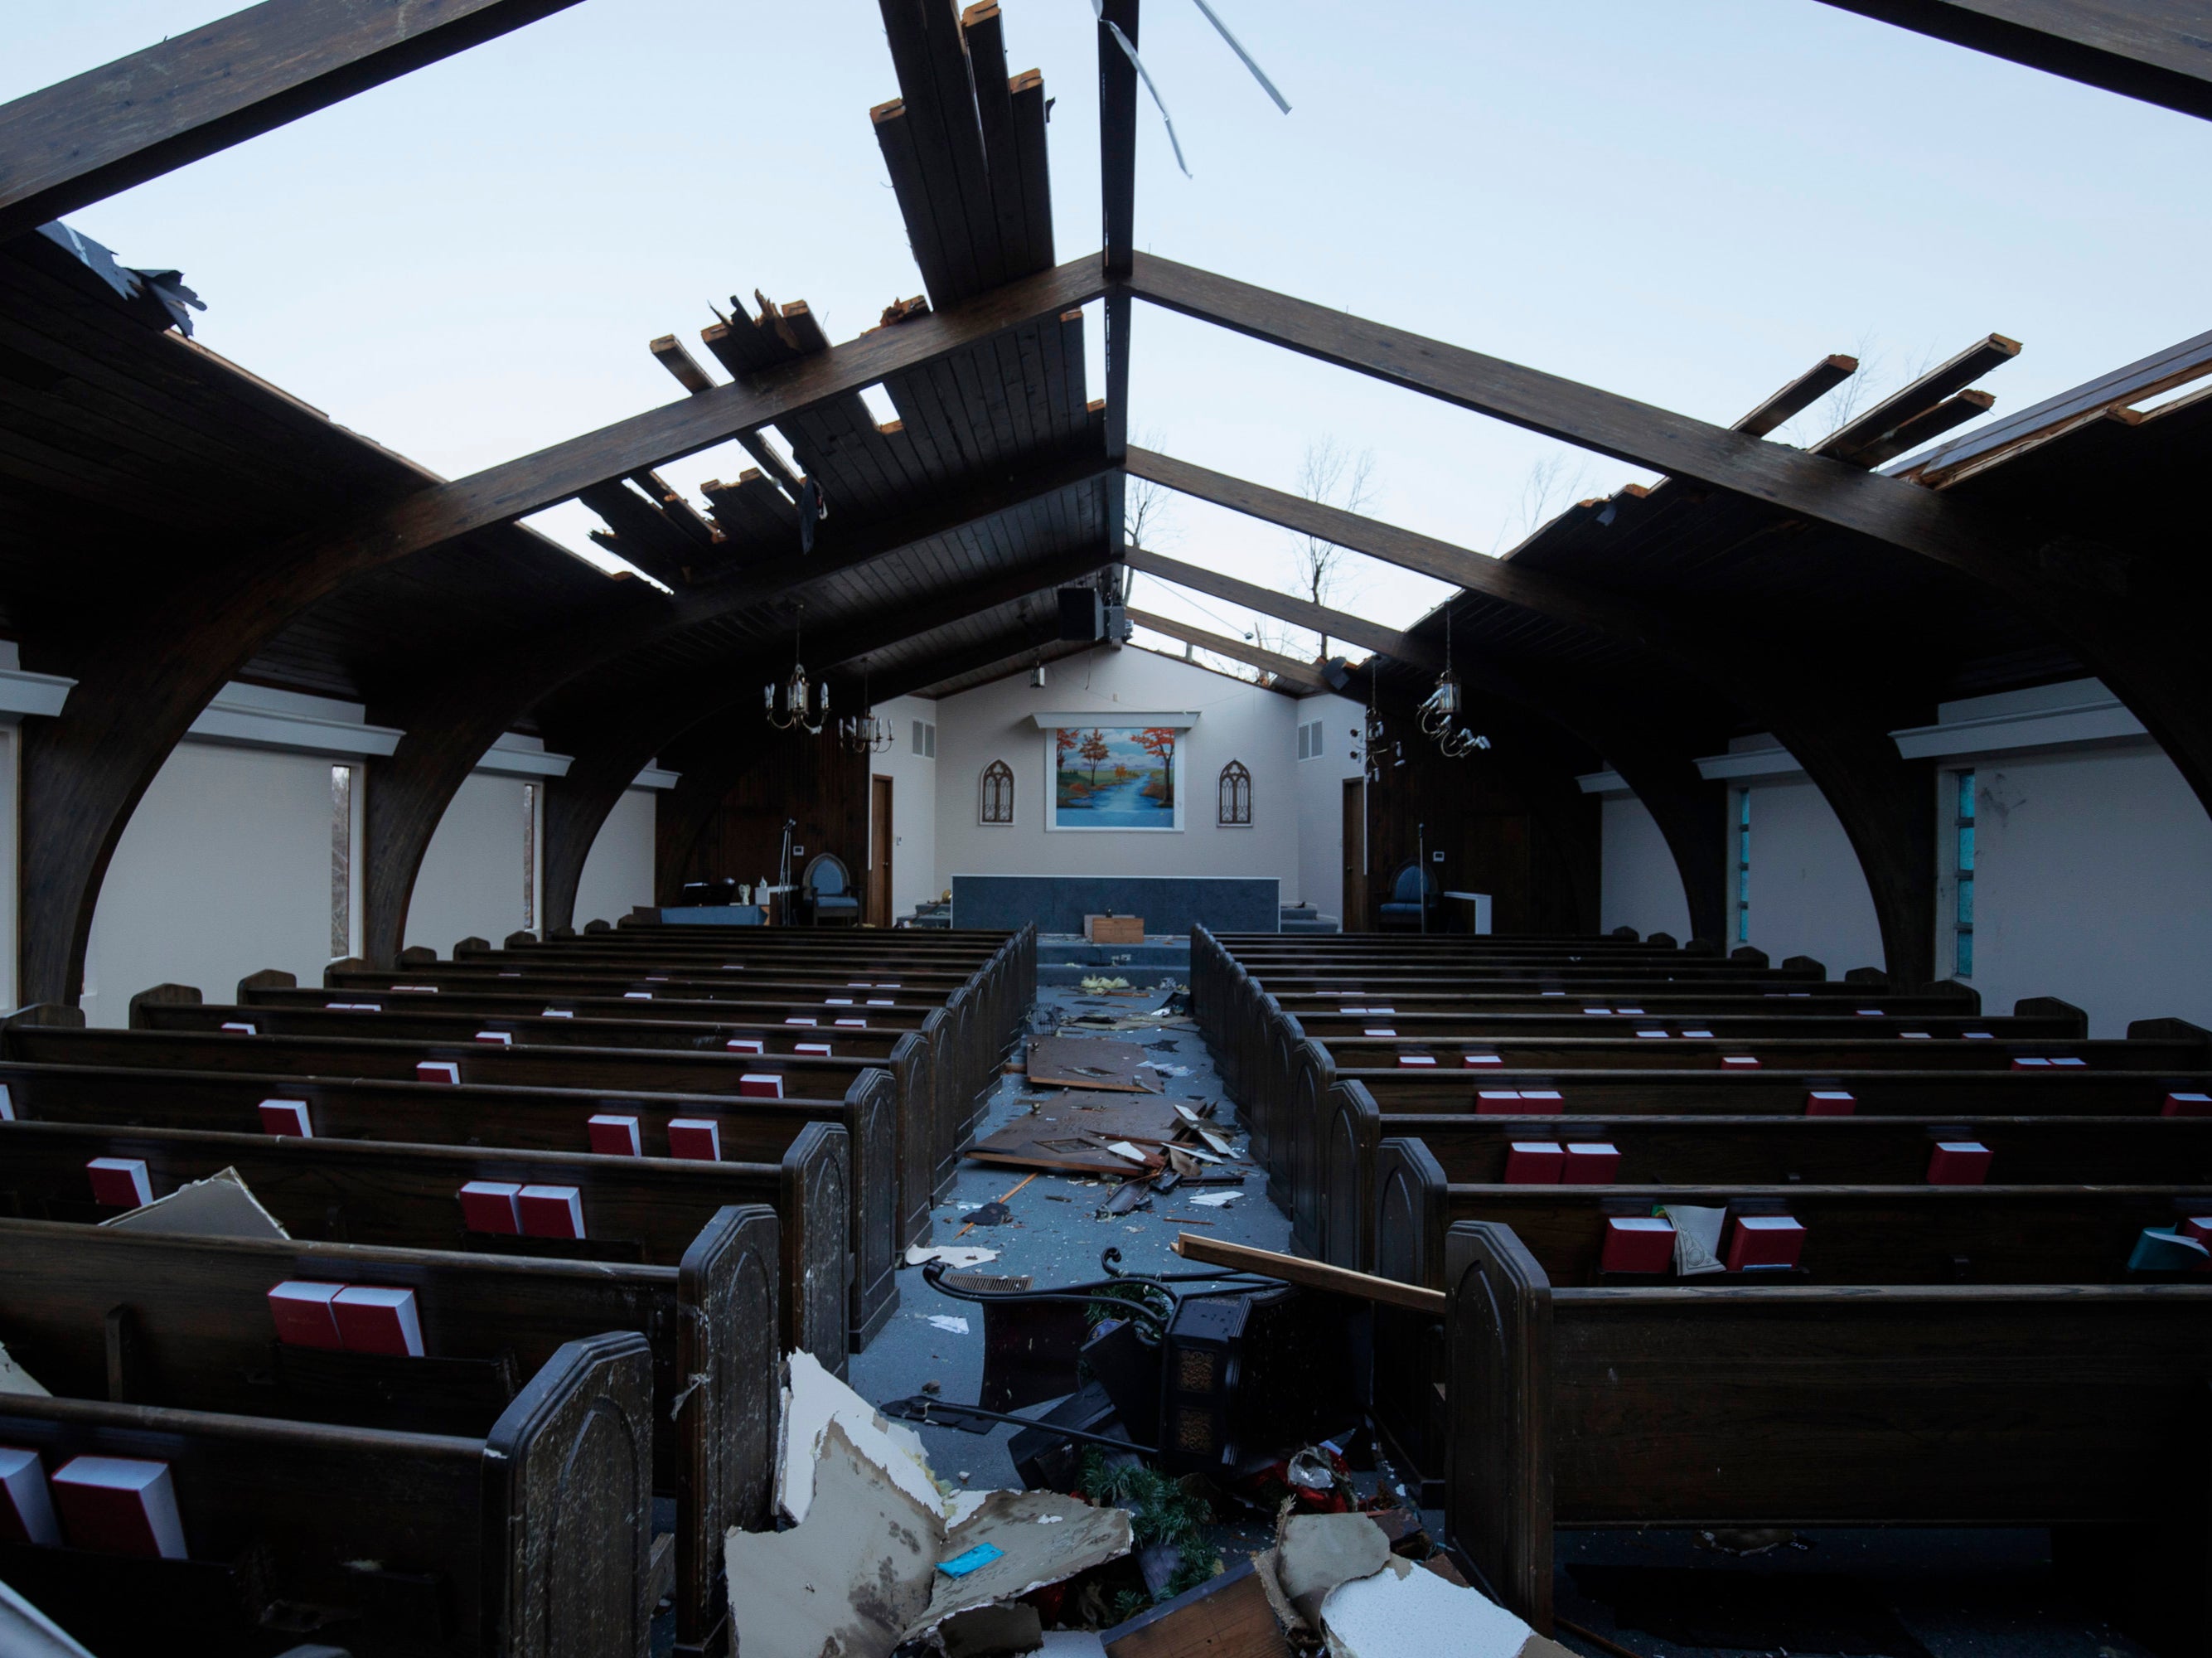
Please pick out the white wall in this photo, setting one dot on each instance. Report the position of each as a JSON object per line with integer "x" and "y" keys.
{"x": 914, "y": 878}
{"x": 224, "y": 869}
{"x": 1236, "y": 721}
{"x": 617, "y": 873}
{"x": 1639, "y": 886}
{"x": 1807, "y": 895}
{"x": 2092, "y": 874}
{"x": 1319, "y": 784}
{"x": 472, "y": 880}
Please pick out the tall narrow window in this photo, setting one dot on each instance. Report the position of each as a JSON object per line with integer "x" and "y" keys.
{"x": 997, "y": 804}
{"x": 529, "y": 857}
{"x": 1962, "y": 920}
{"x": 1743, "y": 865}
{"x": 1235, "y": 795}
{"x": 341, "y": 860}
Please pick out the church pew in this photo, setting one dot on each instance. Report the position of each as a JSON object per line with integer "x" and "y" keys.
{"x": 1857, "y": 1235}
{"x": 526, "y": 1120}
{"x": 1295, "y": 1140}
{"x": 910, "y": 1059}
{"x": 532, "y": 1541}
{"x": 645, "y": 1210}
{"x": 884, "y": 1077}
{"x": 195, "y": 1334}
{"x": 1774, "y": 1150}
{"x": 620, "y": 1074}
{"x": 1739, "y": 1404}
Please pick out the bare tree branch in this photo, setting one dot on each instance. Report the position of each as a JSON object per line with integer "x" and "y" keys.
{"x": 1330, "y": 475}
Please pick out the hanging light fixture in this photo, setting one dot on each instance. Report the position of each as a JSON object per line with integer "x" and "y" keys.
{"x": 1376, "y": 742}
{"x": 864, "y": 733}
{"x": 806, "y": 707}
{"x": 1441, "y": 712}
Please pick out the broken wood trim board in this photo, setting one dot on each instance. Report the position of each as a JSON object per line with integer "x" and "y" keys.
{"x": 1313, "y": 1275}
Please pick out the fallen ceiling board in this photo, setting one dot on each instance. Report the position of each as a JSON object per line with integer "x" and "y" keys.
{"x": 1073, "y": 1130}
{"x": 1083, "y": 1061}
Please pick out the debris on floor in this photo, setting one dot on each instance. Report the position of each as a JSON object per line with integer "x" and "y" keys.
{"x": 1083, "y": 1061}
{"x": 863, "y": 1568}
{"x": 953, "y": 1255}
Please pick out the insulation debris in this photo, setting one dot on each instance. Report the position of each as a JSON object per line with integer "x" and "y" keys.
{"x": 879, "y": 1556}
{"x": 220, "y": 1206}
{"x": 953, "y": 1255}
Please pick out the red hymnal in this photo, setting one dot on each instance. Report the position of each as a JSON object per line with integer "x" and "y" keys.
{"x": 120, "y": 1505}
{"x": 26, "y": 1509}
{"x": 2187, "y": 1104}
{"x": 1589, "y": 1163}
{"x": 120, "y": 1182}
{"x": 371, "y": 1319}
{"x": 746, "y": 1044}
{"x": 813, "y": 1050}
{"x": 851, "y": 1024}
{"x": 497, "y": 1038}
{"x": 616, "y": 1136}
{"x": 1636, "y": 1243}
{"x": 1763, "y": 1241}
{"x": 804, "y": 1020}
{"x": 302, "y": 1311}
{"x": 756, "y": 1086}
{"x": 1958, "y": 1162}
{"x": 1829, "y": 1102}
{"x": 1474, "y": 1059}
{"x": 1417, "y": 1059}
{"x": 492, "y": 1206}
{"x": 836, "y": 1001}
{"x": 1738, "y": 1062}
{"x": 1534, "y": 1163}
{"x": 438, "y": 1070}
{"x": 286, "y": 1117}
{"x": 552, "y": 1211}
{"x": 1498, "y": 1103}
{"x": 1535, "y": 1100}
{"x": 695, "y": 1139}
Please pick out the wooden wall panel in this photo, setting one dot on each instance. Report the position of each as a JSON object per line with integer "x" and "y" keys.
{"x": 812, "y": 779}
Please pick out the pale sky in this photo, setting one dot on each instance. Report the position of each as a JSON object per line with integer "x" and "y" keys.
{"x": 1685, "y": 201}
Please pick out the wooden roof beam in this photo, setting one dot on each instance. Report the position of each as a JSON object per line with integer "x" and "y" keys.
{"x": 1286, "y": 669}
{"x": 1794, "y": 398}
{"x": 98, "y": 133}
{"x": 1301, "y": 612}
{"x": 1851, "y": 442}
{"x": 2151, "y": 50}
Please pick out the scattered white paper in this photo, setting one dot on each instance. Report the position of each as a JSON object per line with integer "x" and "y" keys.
{"x": 956, "y": 1324}
{"x": 1215, "y": 1200}
{"x": 1124, "y": 1149}
{"x": 958, "y": 1255}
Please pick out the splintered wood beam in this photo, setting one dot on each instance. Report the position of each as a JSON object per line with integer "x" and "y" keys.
{"x": 1953, "y": 410}
{"x": 1301, "y": 612}
{"x": 1286, "y": 669}
{"x": 509, "y": 490}
{"x": 668, "y": 351}
{"x": 1849, "y": 441}
{"x": 1813, "y": 487}
{"x": 96, "y": 134}
{"x": 2151, "y": 50}
{"x": 1799, "y": 395}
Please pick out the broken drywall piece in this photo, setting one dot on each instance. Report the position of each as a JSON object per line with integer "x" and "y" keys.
{"x": 1042, "y": 1537}
{"x": 15, "y": 1378}
{"x": 1313, "y": 1553}
{"x": 1401, "y": 1609}
{"x": 1215, "y": 1200}
{"x": 850, "y": 1577}
{"x": 993, "y": 1631}
{"x": 220, "y": 1206}
{"x": 812, "y": 1400}
{"x": 951, "y": 1323}
{"x": 957, "y": 1256}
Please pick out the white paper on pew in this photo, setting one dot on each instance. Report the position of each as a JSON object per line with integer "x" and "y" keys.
{"x": 1696, "y": 1239}
{"x": 220, "y": 1206}
{"x": 15, "y": 1378}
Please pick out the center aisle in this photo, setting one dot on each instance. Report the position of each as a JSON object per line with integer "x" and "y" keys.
{"x": 1056, "y": 1236}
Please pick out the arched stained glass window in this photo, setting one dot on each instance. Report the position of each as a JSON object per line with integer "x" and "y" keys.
{"x": 997, "y": 804}
{"x": 1235, "y": 795}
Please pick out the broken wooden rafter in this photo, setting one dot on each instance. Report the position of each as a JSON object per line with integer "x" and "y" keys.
{"x": 1850, "y": 440}
{"x": 1799, "y": 395}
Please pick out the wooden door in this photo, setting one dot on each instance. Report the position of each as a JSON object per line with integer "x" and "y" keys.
{"x": 1355, "y": 854}
{"x": 878, "y": 909}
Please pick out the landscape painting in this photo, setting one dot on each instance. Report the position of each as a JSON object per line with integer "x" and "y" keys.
{"x": 1114, "y": 777}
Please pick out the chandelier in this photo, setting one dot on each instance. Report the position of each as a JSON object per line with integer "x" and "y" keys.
{"x": 865, "y": 733}
{"x": 806, "y": 707}
{"x": 1440, "y": 713}
{"x": 1375, "y": 739}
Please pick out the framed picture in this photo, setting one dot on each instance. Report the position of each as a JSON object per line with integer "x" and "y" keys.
{"x": 1114, "y": 776}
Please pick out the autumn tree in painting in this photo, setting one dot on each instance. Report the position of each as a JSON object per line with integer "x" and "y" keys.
{"x": 1094, "y": 749}
{"x": 1160, "y": 741}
